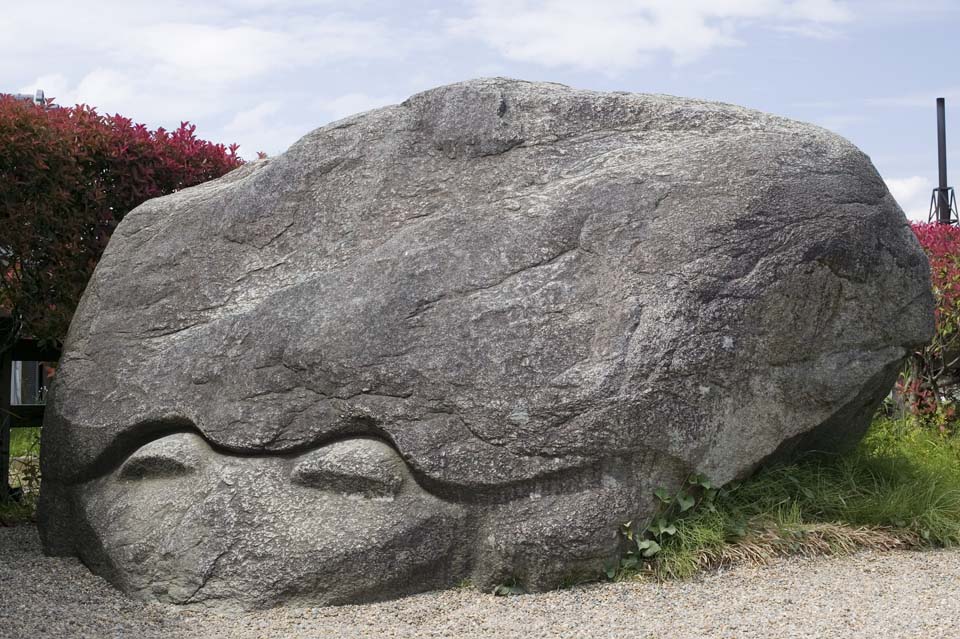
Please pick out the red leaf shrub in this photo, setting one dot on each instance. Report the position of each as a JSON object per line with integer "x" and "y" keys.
{"x": 941, "y": 243}
{"x": 67, "y": 177}
{"x": 936, "y": 365}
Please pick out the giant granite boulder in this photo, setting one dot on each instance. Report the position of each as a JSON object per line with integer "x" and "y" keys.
{"x": 468, "y": 336}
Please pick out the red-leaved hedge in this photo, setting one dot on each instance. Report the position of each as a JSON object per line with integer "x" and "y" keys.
{"x": 922, "y": 384}
{"x": 67, "y": 177}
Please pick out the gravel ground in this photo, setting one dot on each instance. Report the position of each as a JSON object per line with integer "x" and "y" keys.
{"x": 869, "y": 595}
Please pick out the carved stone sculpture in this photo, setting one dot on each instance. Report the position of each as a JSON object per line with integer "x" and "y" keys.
{"x": 466, "y": 337}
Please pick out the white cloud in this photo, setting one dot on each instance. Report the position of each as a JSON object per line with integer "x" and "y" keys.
{"x": 54, "y": 85}
{"x": 144, "y": 98}
{"x": 164, "y": 62}
{"x": 263, "y": 128}
{"x": 272, "y": 126}
{"x": 107, "y": 85}
{"x": 615, "y": 35}
{"x": 222, "y": 53}
{"x": 235, "y": 68}
{"x": 253, "y": 118}
{"x": 351, "y": 103}
{"x": 207, "y": 53}
{"x": 913, "y": 195}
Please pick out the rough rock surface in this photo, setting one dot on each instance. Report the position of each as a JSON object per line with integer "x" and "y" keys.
{"x": 466, "y": 337}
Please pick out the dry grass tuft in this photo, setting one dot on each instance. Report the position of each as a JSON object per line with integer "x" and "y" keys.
{"x": 766, "y": 544}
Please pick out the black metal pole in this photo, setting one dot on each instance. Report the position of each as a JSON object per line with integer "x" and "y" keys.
{"x": 943, "y": 199}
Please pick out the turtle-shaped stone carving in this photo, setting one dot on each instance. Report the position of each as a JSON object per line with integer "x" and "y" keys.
{"x": 466, "y": 337}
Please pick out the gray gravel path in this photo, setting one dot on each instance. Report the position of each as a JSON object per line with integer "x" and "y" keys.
{"x": 889, "y": 595}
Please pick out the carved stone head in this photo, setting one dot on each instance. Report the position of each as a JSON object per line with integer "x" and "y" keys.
{"x": 466, "y": 337}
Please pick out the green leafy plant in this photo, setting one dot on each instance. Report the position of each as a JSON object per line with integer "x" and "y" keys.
{"x": 646, "y": 543}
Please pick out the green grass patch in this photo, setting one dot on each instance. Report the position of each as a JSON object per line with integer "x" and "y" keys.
{"x": 899, "y": 489}
{"x": 24, "y": 442}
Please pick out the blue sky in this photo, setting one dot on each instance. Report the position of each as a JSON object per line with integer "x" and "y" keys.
{"x": 263, "y": 73}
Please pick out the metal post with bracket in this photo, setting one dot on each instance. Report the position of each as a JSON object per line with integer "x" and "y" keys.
{"x": 943, "y": 201}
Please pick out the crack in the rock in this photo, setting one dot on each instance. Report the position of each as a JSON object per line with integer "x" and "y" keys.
{"x": 167, "y": 333}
